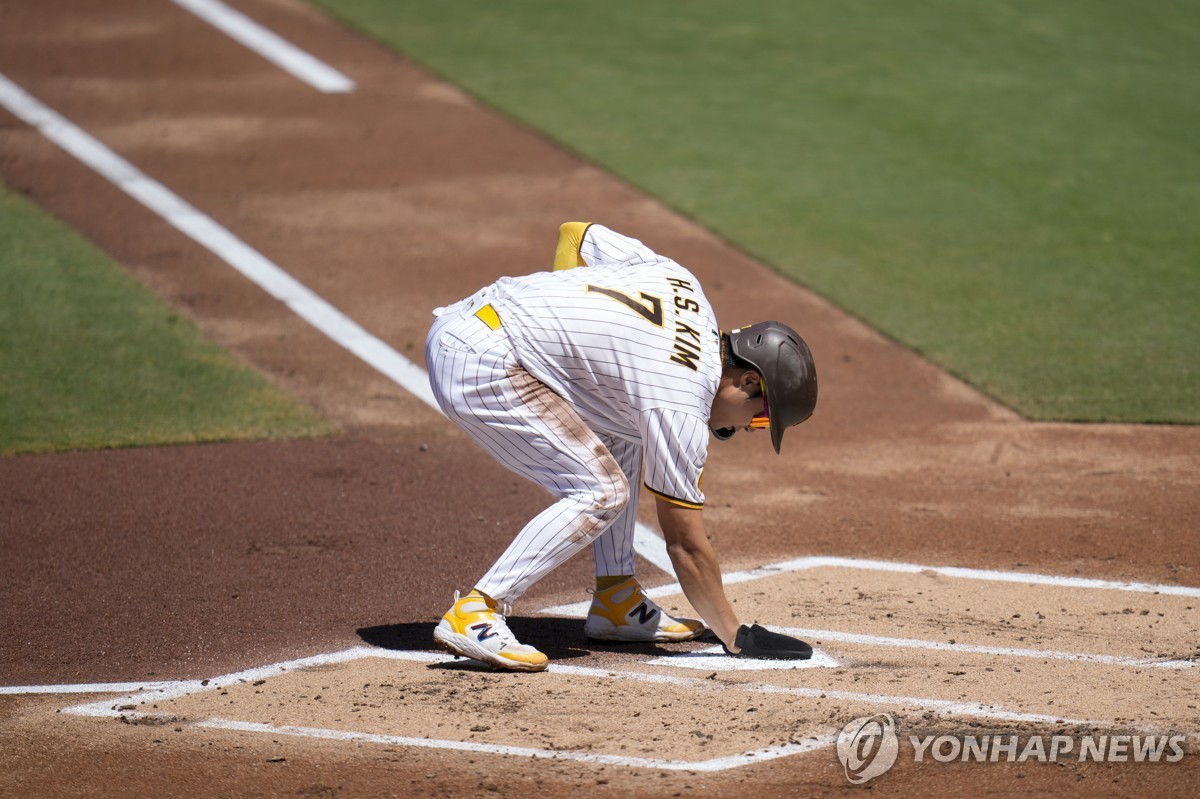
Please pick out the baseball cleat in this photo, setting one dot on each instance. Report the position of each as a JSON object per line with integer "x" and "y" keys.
{"x": 625, "y": 613}
{"x": 473, "y": 628}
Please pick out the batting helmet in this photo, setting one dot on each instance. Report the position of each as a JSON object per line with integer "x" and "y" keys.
{"x": 786, "y": 366}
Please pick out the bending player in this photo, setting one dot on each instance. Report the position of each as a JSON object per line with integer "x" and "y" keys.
{"x": 591, "y": 382}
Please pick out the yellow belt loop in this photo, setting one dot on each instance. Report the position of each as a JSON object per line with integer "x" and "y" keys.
{"x": 487, "y": 314}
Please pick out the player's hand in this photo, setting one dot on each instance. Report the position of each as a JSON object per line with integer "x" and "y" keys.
{"x": 756, "y": 641}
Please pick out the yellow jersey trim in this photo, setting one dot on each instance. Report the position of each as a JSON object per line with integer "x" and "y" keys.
{"x": 681, "y": 503}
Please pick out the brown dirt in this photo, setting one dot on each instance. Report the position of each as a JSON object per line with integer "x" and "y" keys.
{"x": 186, "y": 562}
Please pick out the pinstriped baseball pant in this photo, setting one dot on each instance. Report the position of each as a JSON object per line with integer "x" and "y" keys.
{"x": 480, "y": 385}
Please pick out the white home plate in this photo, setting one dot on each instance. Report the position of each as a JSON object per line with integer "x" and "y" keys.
{"x": 715, "y": 659}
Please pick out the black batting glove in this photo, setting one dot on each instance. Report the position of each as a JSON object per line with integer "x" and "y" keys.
{"x": 759, "y": 642}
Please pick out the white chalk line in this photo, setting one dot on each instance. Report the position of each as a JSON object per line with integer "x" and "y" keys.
{"x": 209, "y": 234}
{"x": 127, "y": 707}
{"x": 579, "y": 609}
{"x": 651, "y": 546}
{"x": 269, "y": 45}
{"x": 713, "y": 765}
{"x": 975, "y": 649}
{"x": 87, "y": 688}
{"x": 111, "y": 707}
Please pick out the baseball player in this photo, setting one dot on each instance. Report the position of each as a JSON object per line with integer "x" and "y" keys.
{"x": 592, "y": 382}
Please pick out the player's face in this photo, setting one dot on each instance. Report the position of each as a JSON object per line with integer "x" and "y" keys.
{"x": 739, "y": 403}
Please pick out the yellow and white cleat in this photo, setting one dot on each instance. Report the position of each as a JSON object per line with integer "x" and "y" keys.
{"x": 624, "y": 613}
{"x": 473, "y": 628}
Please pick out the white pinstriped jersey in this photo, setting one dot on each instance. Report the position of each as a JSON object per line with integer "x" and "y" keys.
{"x": 631, "y": 341}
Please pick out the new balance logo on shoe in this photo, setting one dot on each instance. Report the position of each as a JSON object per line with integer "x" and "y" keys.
{"x": 644, "y": 612}
{"x": 485, "y": 631}
{"x": 624, "y": 613}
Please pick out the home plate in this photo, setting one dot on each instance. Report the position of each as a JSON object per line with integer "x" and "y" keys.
{"x": 715, "y": 659}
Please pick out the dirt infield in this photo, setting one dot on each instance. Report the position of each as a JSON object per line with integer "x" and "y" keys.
{"x": 188, "y": 563}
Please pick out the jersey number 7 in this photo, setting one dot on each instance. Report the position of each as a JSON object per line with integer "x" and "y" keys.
{"x": 652, "y": 313}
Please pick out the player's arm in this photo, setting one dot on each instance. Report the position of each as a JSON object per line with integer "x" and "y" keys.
{"x": 676, "y": 447}
{"x": 697, "y": 568}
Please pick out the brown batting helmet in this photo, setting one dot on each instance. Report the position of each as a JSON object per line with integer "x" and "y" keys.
{"x": 786, "y": 366}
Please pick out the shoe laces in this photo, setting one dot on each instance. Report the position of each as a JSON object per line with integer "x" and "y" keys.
{"x": 502, "y": 609}
{"x": 500, "y": 626}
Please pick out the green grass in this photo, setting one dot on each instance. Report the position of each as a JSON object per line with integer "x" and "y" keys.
{"x": 1010, "y": 188}
{"x": 91, "y": 359}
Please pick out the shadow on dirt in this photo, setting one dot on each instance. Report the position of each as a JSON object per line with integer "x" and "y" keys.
{"x": 550, "y": 635}
{"x": 560, "y": 638}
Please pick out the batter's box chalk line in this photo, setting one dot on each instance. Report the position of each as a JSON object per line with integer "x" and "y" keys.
{"x": 128, "y": 708}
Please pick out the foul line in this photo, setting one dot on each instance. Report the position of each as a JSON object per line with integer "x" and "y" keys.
{"x": 206, "y": 232}
{"x": 652, "y": 547}
{"x": 269, "y": 45}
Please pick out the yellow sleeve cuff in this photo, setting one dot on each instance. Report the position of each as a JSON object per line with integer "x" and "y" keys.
{"x": 570, "y": 239}
{"x": 680, "y": 502}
